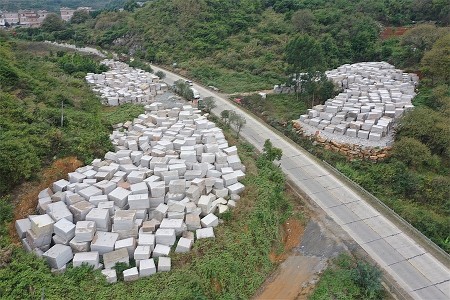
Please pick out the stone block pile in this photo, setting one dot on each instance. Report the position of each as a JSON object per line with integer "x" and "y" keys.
{"x": 374, "y": 96}
{"x": 124, "y": 84}
{"x": 171, "y": 176}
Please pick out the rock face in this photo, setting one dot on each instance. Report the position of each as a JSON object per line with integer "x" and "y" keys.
{"x": 170, "y": 176}
{"x": 123, "y": 84}
{"x": 375, "y": 95}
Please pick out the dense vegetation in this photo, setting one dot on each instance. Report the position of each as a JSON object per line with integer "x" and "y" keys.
{"x": 240, "y": 45}
{"x": 34, "y": 86}
{"x": 348, "y": 279}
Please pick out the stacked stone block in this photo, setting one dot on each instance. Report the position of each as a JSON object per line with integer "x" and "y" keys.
{"x": 170, "y": 177}
{"x": 375, "y": 95}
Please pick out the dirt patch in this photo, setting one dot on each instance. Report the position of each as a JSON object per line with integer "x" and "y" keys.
{"x": 25, "y": 197}
{"x": 389, "y": 32}
{"x": 292, "y": 278}
{"x": 292, "y": 231}
{"x": 310, "y": 248}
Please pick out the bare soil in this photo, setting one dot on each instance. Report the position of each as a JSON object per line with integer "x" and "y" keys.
{"x": 25, "y": 197}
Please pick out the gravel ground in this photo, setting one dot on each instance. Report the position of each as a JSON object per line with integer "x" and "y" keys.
{"x": 384, "y": 142}
{"x": 319, "y": 243}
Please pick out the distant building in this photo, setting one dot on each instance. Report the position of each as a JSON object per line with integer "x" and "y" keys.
{"x": 67, "y": 13}
{"x": 29, "y": 18}
{"x": 11, "y": 18}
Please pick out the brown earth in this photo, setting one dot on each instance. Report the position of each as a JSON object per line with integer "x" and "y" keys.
{"x": 25, "y": 197}
{"x": 389, "y": 32}
{"x": 292, "y": 231}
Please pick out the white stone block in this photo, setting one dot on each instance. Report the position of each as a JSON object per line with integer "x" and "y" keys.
{"x": 42, "y": 225}
{"x": 184, "y": 245}
{"x": 58, "y": 211}
{"x": 139, "y": 201}
{"x": 131, "y": 274}
{"x": 142, "y": 252}
{"x": 110, "y": 274}
{"x": 205, "y": 233}
{"x": 58, "y": 255}
{"x": 209, "y": 220}
{"x": 104, "y": 242}
{"x": 84, "y": 231}
{"x": 176, "y": 224}
{"x": 80, "y": 209}
{"x": 147, "y": 267}
{"x": 165, "y": 236}
{"x": 88, "y": 258}
{"x": 60, "y": 185}
{"x": 79, "y": 246}
{"x": 89, "y": 192}
{"x": 111, "y": 258}
{"x": 119, "y": 196}
{"x": 128, "y": 243}
{"x": 124, "y": 219}
{"x": 22, "y": 226}
{"x": 105, "y": 186}
{"x": 95, "y": 200}
{"x": 161, "y": 250}
{"x": 236, "y": 188}
{"x": 64, "y": 229}
{"x": 164, "y": 264}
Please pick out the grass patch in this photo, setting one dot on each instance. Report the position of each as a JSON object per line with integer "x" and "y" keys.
{"x": 118, "y": 114}
{"x": 279, "y": 107}
{"x": 347, "y": 279}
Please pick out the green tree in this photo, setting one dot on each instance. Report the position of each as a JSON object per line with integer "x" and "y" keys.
{"x": 429, "y": 127}
{"x": 160, "y": 74}
{"x": 238, "y": 121}
{"x": 52, "y": 22}
{"x": 436, "y": 62}
{"x": 80, "y": 16}
{"x": 225, "y": 115}
{"x": 130, "y": 5}
{"x": 304, "y": 56}
{"x": 368, "y": 277}
{"x": 209, "y": 103}
{"x": 303, "y": 20}
{"x": 412, "y": 152}
{"x": 270, "y": 152}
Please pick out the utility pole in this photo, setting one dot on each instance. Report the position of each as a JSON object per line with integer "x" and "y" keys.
{"x": 62, "y": 113}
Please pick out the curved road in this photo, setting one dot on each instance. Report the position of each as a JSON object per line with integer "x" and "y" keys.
{"x": 415, "y": 270}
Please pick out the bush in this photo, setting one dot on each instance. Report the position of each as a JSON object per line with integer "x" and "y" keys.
{"x": 412, "y": 152}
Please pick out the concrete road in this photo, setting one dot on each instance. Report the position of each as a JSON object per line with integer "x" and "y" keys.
{"x": 420, "y": 274}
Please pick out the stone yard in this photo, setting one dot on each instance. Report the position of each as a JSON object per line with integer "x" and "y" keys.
{"x": 375, "y": 95}
{"x": 124, "y": 84}
{"x": 170, "y": 178}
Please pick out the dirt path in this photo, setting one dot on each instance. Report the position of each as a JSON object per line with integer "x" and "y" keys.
{"x": 296, "y": 276}
{"x": 292, "y": 278}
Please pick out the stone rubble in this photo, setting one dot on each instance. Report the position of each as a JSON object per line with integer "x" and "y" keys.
{"x": 124, "y": 84}
{"x": 170, "y": 177}
{"x": 375, "y": 95}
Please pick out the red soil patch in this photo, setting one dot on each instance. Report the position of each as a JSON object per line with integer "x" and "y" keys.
{"x": 292, "y": 231}
{"x": 26, "y": 195}
{"x": 389, "y": 32}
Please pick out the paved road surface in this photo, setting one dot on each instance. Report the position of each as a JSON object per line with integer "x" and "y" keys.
{"x": 414, "y": 269}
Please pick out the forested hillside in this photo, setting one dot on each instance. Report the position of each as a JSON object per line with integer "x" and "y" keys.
{"x": 33, "y": 88}
{"x": 239, "y": 45}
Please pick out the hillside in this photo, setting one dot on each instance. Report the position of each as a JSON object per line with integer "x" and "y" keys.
{"x": 239, "y": 46}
